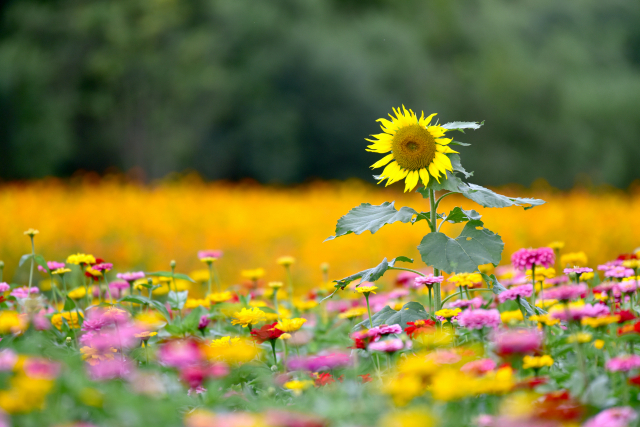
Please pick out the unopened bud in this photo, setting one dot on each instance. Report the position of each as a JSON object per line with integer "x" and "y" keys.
{"x": 68, "y": 340}
{"x": 1, "y": 265}
{"x": 324, "y": 267}
{"x": 173, "y": 264}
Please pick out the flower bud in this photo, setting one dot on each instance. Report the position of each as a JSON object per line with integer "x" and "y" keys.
{"x": 173, "y": 264}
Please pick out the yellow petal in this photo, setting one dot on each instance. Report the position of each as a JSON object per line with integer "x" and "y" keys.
{"x": 436, "y": 131}
{"x": 444, "y": 141}
{"x": 444, "y": 149}
{"x": 425, "y": 122}
{"x": 390, "y": 170}
{"x": 382, "y": 162}
{"x": 444, "y": 160}
{"x": 411, "y": 181}
{"x": 402, "y": 173}
{"x": 379, "y": 147}
{"x": 434, "y": 171}
{"x": 424, "y": 175}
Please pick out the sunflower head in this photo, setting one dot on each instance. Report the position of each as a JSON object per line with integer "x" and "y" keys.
{"x": 417, "y": 149}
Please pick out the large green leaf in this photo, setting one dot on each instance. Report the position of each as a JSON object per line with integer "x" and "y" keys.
{"x": 377, "y": 319}
{"x": 475, "y": 246}
{"x": 23, "y": 259}
{"x": 458, "y": 215}
{"x": 372, "y": 218}
{"x": 451, "y": 183}
{"x": 410, "y": 312}
{"x": 489, "y": 199}
{"x": 138, "y": 299}
{"x": 457, "y": 166}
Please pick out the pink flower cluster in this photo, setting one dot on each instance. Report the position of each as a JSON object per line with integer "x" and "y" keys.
{"x": 479, "y": 318}
{"x": 619, "y": 272}
{"x": 623, "y": 363}
{"x": 428, "y": 280}
{"x": 522, "y": 291}
{"x": 4, "y": 287}
{"x": 318, "y": 363}
{"x": 566, "y": 292}
{"x": 524, "y": 259}
{"x": 517, "y": 341}
{"x": 613, "y": 417}
{"x": 609, "y": 265}
{"x": 468, "y": 303}
{"x": 578, "y": 270}
{"x": 8, "y": 359}
{"x": 577, "y": 313}
{"x": 382, "y": 330}
{"x": 52, "y": 265}
{"x": 131, "y": 277}
{"x": 389, "y": 346}
{"x": 24, "y": 292}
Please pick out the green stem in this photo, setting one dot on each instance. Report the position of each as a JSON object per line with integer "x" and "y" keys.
{"x": 273, "y": 348}
{"x": 275, "y": 300}
{"x": 216, "y": 277}
{"x": 210, "y": 263}
{"x": 366, "y": 297}
{"x": 533, "y": 294}
{"x": 436, "y": 272}
{"x": 442, "y": 197}
{"x": 406, "y": 269}
{"x": 53, "y": 291}
{"x": 33, "y": 260}
{"x": 289, "y": 286}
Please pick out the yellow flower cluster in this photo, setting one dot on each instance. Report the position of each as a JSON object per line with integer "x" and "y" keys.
{"x": 574, "y": 259}
{"x": 596, "y": 322}
{"x": 470, "y": 280}
{"x": 231, "y": 350}
{"x": 12, "y": 323}
{"x": 580, "y": 337}
{"x": 291, "y": 325}
{"x": 246, "y": 317}
{"x": 71, "y": 318}
{"x": 353, "y": 313}
{"x": 448, "y": 313}
{"x": 80, "y": 259}
{"x": 543, "y": 319}
{"x": 513, "y": 316}
{"x": 536, "y": 362}
{"x": 25, "y": 393}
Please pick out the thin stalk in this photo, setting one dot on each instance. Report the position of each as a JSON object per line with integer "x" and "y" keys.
{"x": 475, "y": 290}
{"x": 366, "y": 297}
{"x": 33, "y": 260}
{"x": 216, "y": 277}
{"x": 210, "y": 264}
{"x": 275, "y": 300}
{"x": 289, "y": 286}
{"x": 407, "y": 269}
{"x": 53, "y": 291}
{"x": 104, "y": 276}
{"x": 533, "y": 294}
{"x": 273, "y": 349}
{"x": 436, "y": 272}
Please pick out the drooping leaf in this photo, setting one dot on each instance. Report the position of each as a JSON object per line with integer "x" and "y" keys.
{"x": 457, "y": 166}
{"x": 138, "y": 299}
{"x": 458, "y": 215}
{"x": 410, "y": 312}
{"x": 179, "y": 276}
{"x": 475, "y": 246}
{"x": 372, "y": 218}
{"x": 489, "y": 199}
{"x": 462, "y": 125}
{"x": 23, "y": 259}
{"x": 377, "y": 319}
{"x": 371, "y": 274}
{"x": 69, "y": 304}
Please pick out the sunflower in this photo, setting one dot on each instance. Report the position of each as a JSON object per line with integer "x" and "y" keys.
{"x": 417, "y": 149}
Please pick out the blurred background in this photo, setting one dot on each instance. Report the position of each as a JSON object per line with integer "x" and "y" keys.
{"x": 285, "y": 91}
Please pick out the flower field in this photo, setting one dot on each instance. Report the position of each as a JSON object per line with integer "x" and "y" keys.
{"x": 324, "y": 305}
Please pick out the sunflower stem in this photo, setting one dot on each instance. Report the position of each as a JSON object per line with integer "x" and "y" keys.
{"x": 436, "y": 272}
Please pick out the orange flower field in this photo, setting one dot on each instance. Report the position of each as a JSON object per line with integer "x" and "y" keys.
{"x": 144, "y": 227}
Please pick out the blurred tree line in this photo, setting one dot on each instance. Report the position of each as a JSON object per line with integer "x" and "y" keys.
{"x": 286, "y": 90}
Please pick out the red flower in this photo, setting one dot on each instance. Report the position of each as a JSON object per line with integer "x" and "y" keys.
{"x": 626, "y": 257}
{"x": 630, "y": 329}
{"x": 323, "y": 379}
{"x": 531, "y": 383}
{"x": 359, "y": 343}
{"x": 366, "y": 378}
{"x": 625, "y": 315}
{"x": 267, "y": 333}
{"x": 559, "y": 406}
{"x": 418, "y": 327}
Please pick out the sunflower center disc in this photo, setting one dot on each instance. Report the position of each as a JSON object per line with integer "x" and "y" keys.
{"x": 413, "y": 147}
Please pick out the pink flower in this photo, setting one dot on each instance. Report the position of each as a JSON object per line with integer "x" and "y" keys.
{"x": 4, "y": 287}
{"x": 387, "y": 346}
{"x": 522, "y": 291}
{"x": 428, "y": 280}
{"x": 479, "y": 367}
{"x": 197, "y": 390}
{"x": 327, "y": 361}
{"x": 610, "y": 264}
{"x": 39, "y": 368}
{"x": 180, "y": 353}
{"x": 524, "y": 259}
{"x": 8, "y": 359}
{"x": 517, "y": 341}
{"x": 479, "y": 318}
{"x": 468, "y": 303}
{"x": 204, "y": 322}
{"x": 131, "y": 277}
{"x": 103, "y": 266}
{"x": 40, "y": 322}
{"x": 120, "y": 336}
{"x": 405, "y": 278}
{"x": 110, "y": 368}
{"x": 24, "y": 292}
{"x": 578, "y": 270}
{"x": 623, "y": 363}
{"x": 628, "y": 286}
{"x": 52, "y": 265}
{"x": 613, "y": 417}
{"x": 577, "y": 313}
{"x": 217, "y": 254}
{"x": 566, "y": 292}
{"x": 119, "y": 285}
{"x": 619, "y": 272}
{"x": 383, "y": 330}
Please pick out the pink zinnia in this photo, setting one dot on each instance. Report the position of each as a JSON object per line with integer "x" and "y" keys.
{"x": 39, "y": 368}
{"x": 104, "y": 266}
{"x": 180, "y": 353}
{"x": 405, "y": 278}
{"x": 119, "y": 285}
{"x": 619, "y": 272}
{"x": 110, "y": 369}
{"x": 4, "y": 287}
{"x": 479, "y": 318}
{"x": 387, "y": 346}
{"x": 131, "y": 277}
{"x": 8, "y": 359}
{"x": 479, "y": 367}
{"x": 524, "y": 259}
{"x": 320, "y": 362}
{"x": 522, "y": 291}
{"x": 609, "y": 265}
{"x": 623, "y": 363}
{"x": 566, "y": 292}
{"x": 578, "y": 270}
{"x": 52, "y": 265}
{"x": 467, "y": 303}
{"x": 577, "y": 313}
{"x": 517, "y": 341}
{"x": 24, "y": 292}
{"x": 628, "y": 286}
{"x": 428, "y": 280}
{"x": 613, "y": 417}
{"x": 383, "y": 330}
{"x": 210, "y": 254}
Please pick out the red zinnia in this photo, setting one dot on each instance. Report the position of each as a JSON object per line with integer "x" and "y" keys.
{"x": 414, "y": 329}
{"x": 267, "y": 333}
{"x": 625, "y": 315}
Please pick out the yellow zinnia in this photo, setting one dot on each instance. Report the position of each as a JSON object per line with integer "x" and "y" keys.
{"x": 417, "y": 149}
{"x": 291, "y": 325}
{"x": 246, "y": 317}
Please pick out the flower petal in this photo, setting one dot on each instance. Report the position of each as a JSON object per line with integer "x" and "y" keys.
{"x": 424, "y": 175}
{"x": 411, "y": 181}
{"x": 382, "y": 162}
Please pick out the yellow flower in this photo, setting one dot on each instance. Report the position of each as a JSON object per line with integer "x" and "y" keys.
{"x": 246, "y": 317}
{"x": 450, "y": 384}
{"x": 298, "y": 386}
{"x": 254, "y": 274}
{"x": 286, "y": 261}
{"x": 571, "y": 259}
{"x": 208, "y": 259}
{"x": 371, "y": 289}
{"x": 587, "y": 276}
{"x": 536, "y": 362}
{"x": 546, "y": 303}
{"x": 220, "y": 297}
{"x": 200, "y": 275}
{"x": 403, "y": 389}
{"x": 231, "y": 350}
{"x": 596, "y": 322}
{"x": 195, "y": 302}
{"x": 469, "y": 280}
{"x": 284, "y": 336}
{"x": 408, "y": 418}
{"x": 556, "y": 246}
{"x": 256, "y": 303}
{"x": 224, "y": 342}
{"x": 448, "y": 313}
{"x": 94, "y": 273}
{"x": 511, "y": 316}
{"x": 61, "y": 271}
{"x": 417, "y": 149}
{"x": 542, "y": 273}
{"x": 150, "y": 319}
{"x": 598, "y": 344}
{"x": 631, "y": 263}
{"x": 77, "y": 293}
{"x": 79, "y": 259}
{"x": 496, "y": 382}
{"x": 94, "y": 356}
{"x": 275, "y": 285}
{"x": 31, "y": 232}
{"x": 601, "y": 296}
{"x": 12, "y": 322}
{"x": 544, "y": 319}
{"x": 25, "y": 394}
{"x": 146, "y": 335}
{"x": 305, "y": 305}
{"x": 291, "y": 325}
{"x": 580, "y": 337}
{"x": 70, "y": 316}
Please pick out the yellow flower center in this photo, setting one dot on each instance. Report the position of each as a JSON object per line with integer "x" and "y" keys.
{"x": 413, "y": 147}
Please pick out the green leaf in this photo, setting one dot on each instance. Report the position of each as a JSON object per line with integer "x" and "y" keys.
{"x": 372, "y": 218}
{"x": 410, "y": 312}
{"x": 42, "y": 263}
{"x": 462, "y": 125}
{"x": 450, "y": 184}
{"x": 190, "y": 322}
{"x": 174, "y": 275}
{"x": 457, "y": 166}
{"x": 377, "y": 319}
{"x": 69, "y": 304}
{"x": 489, "y": 199}
{"x": 371, "y": 274}
{"x": 464, "y": 144}
{"x": 174, "y": 330}
{"x": 23, "y": 259}
{"x": 497, "y": 288}
{"x": 475, "y": 246}
{"x": 177, "y": 299}
{"x": 458, "y": 215}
